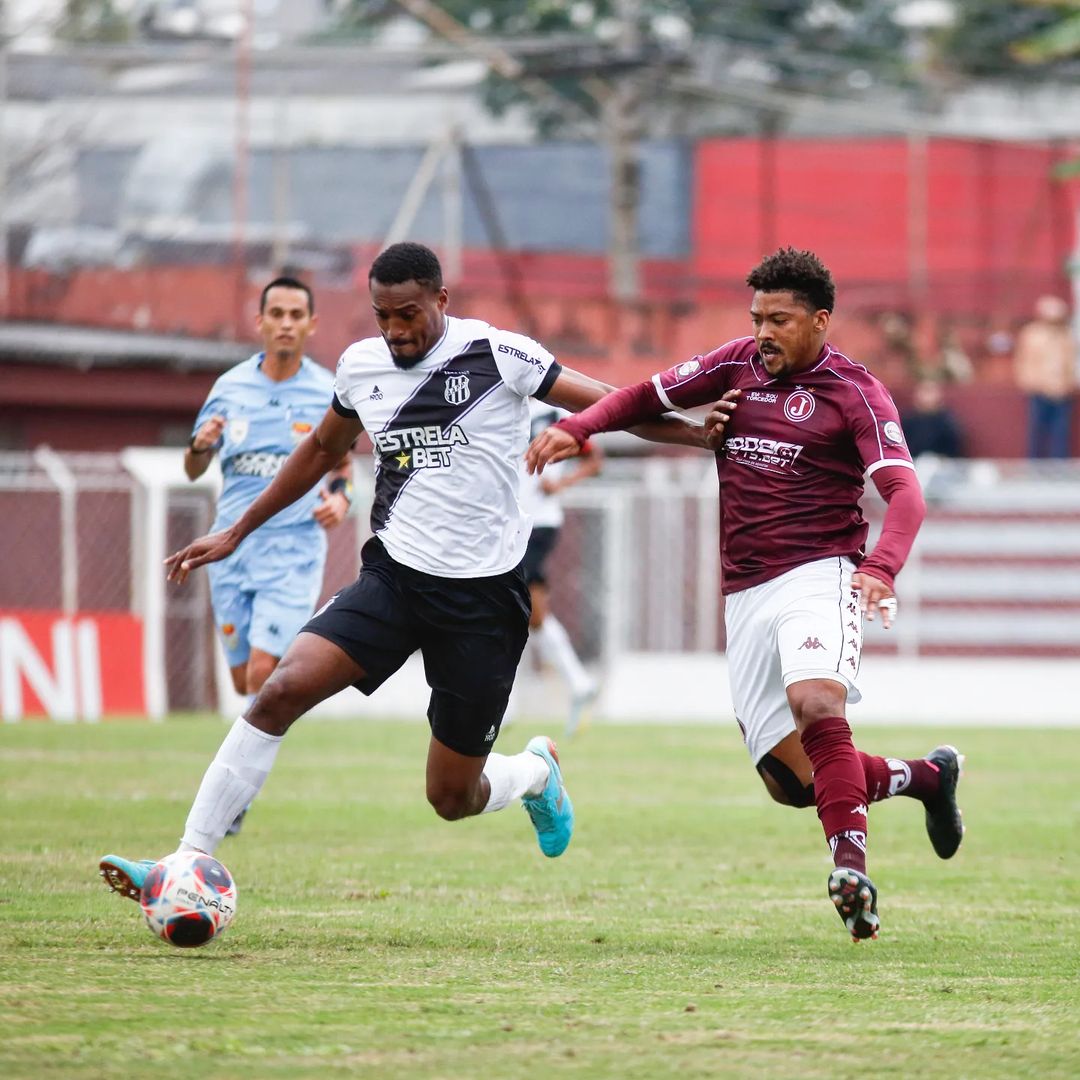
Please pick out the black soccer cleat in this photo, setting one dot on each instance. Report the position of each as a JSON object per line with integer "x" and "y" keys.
{"x": 944, "y": 822}
{"x": 856, "y": 900}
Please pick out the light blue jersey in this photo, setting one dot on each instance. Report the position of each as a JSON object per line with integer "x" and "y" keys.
{"x": 266, "y": 590}
{"x": 264, "y": 421}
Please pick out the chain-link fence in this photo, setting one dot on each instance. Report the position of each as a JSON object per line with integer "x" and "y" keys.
{"x": 995, "y": 572}
{"x": 76, "y": 533}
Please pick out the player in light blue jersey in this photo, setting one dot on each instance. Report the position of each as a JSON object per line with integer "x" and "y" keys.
{"x": 255, "y": 415}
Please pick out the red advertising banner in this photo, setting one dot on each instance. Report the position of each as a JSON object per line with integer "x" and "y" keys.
{"x": 70, "y": 667}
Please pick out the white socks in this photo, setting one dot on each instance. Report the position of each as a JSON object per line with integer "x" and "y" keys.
{"x": 556, "y": 649}
{"x": 514, "y": 775}
{"x": 233, "y": 779}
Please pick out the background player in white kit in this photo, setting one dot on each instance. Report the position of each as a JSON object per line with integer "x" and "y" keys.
{"x": 444, "y": 402}
{"x": 540, "y": 500}
{"x": 797, "y": 428}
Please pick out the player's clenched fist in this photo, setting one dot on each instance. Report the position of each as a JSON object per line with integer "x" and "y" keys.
{"x": 208, "y": 434}
{"x": 717, "y": 419}
{"x": 550, "y": 446}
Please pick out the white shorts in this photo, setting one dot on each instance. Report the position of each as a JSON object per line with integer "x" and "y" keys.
{"x": 805, "y": 624}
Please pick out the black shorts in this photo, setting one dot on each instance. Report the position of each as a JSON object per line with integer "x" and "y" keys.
{"x": 470, "y": 632}
{"x": 541, "y": 542}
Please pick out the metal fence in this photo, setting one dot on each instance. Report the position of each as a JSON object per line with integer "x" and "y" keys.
{"x": 995, "y": 572}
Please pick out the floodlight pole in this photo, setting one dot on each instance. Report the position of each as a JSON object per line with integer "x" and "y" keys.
{"x": 620, "y": 112}
{"x": 618, "y": 107}
{"x": 4, "y": 276}
{"x": 242, "y": 149}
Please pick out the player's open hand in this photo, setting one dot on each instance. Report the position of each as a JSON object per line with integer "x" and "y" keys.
{"x": 717, "y": 418}
{"x": 332, "y": 509}
{"x": 550, "y": 446}
{"x": 206, "y": 549}
{"x": 875, "y": 595}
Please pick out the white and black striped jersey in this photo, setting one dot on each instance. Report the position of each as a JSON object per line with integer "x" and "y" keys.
{"x": 448, "y": 436}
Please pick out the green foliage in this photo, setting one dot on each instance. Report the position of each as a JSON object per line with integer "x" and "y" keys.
{"x": 93, "y": 21}
{"x": 685, "y": 932}
{"x": 1011, "y": 37}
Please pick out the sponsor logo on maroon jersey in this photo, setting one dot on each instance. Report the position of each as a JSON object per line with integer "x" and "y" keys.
{"x": 687, "y": 368}
{"x": 772, "y": 455}
{"x": 799, "y": 406}
{"x": 764, "y": 396}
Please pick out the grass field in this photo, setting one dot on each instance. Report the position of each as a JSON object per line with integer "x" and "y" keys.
{"x": 685, "y": 932}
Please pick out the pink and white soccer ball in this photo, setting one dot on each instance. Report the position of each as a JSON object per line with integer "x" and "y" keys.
{"x": 188, "y": 898}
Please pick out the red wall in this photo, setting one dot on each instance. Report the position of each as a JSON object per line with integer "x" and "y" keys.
{"x": 956, "y": 225}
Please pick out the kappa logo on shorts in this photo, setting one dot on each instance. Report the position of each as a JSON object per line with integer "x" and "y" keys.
{"x": 490, "y": 736}
{"x": 811, "y": 643}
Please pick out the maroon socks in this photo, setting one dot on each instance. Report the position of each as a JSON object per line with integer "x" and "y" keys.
{"x": 840, "y": 784}
{"x": 885, "y": 777}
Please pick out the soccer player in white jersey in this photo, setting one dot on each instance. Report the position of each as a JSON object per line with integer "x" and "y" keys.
{"x": 444, "y": 401}
{"x": 540, "y": 500}
{"x": 797, "y": 427}
{"x": 253, "y": 417}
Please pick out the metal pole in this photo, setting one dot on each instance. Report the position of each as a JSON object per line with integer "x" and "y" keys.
{"x": 453, "y": 209}
{"x": 4, "y": 281}
{"x": 56, "y": 469}
{"x": 621, "y": 127}
{"x": 918, "y": 181}
{"x": 281, "y": 189}
{"x": 240, "y": 167}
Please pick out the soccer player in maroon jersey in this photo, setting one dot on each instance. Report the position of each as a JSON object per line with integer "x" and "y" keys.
{"x": 796, "y": 429}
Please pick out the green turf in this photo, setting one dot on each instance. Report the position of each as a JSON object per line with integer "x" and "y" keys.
{"x": 685, "y": 932}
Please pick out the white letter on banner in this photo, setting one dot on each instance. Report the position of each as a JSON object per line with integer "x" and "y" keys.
{"x": 19, "y": 658}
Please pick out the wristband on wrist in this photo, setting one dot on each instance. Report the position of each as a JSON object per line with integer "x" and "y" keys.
{"x": 195, "y": 450}
{"x": 344, "y": 485}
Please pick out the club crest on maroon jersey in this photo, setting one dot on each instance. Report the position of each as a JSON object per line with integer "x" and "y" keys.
{"x": 799, "y": 406}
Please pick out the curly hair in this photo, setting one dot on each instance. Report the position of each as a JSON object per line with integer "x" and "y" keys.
{"x": 407, "y": 262}
{"x": 801, "y": 273}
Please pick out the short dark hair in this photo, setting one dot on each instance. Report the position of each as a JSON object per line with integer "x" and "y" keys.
{"x": 287, "y": 283}
{"x": 801, "y": 273}
{"x": 407, "y": 262}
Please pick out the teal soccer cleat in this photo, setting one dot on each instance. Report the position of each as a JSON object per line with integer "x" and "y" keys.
{"x": 551, "y": 811}
{"x": 125, "y": 876}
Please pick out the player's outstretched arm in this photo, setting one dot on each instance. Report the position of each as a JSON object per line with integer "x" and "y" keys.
{"x": 317, "y": 455}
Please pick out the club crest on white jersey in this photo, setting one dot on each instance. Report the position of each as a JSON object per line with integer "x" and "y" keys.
{"x": 448, "y": 434}
{"x": 457, "y": 388}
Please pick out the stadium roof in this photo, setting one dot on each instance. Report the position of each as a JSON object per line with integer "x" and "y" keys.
{"x": 92, "y": 347}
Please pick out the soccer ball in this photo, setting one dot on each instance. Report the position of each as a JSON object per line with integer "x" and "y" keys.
{"x": 188, "y": 898}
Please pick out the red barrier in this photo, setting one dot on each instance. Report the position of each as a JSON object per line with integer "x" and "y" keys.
{"x": 77, "y": 667}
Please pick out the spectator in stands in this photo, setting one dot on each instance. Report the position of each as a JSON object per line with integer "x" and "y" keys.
{"x": 930, "y": 425}
{"x": 1045, "y": 364}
